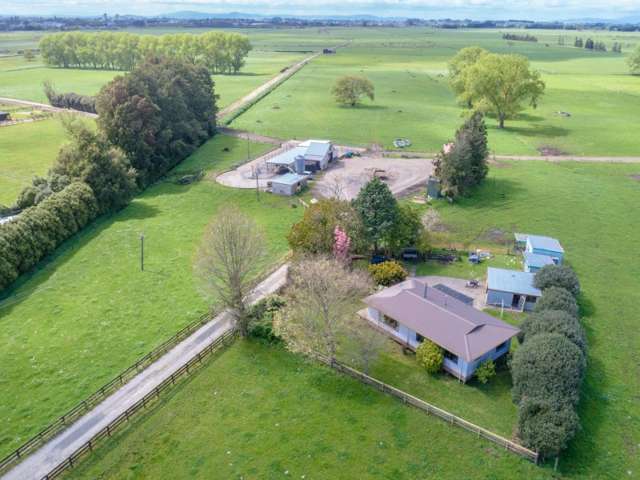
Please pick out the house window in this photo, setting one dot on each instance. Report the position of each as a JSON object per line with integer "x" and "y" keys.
{"x": 390, "y": 321}
{"x": 531, "y": 299}
{"x": 502, "y": 345}
{"x": 451, "y": 356}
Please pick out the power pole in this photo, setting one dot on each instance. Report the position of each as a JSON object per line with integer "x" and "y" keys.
{"x": 142, "y": 252}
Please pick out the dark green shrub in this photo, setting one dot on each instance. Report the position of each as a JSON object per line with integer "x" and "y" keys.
{"x": 261, "y": 318}
{"x": 485, "y": 371}
{"x": 430, "y": 356}
{"x": 553, "y": 321}
{"x": 388, "y": 273}
{"x": 548, "y": 366}
{"x": 556, "y": 298}
{"x": 561, "y": 276}
{"x": 546, "y": 427}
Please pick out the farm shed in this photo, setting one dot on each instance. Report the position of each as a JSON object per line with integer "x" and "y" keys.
{"x": 534, "y": 262}
{"x": 288, "y": 184}
{"x": 411, "y": 311}
{"x": 4, "y": 116}
{"x": 318, "y": 154}
{"x": 545, "y": 246}
{"x": 511, "y": 289}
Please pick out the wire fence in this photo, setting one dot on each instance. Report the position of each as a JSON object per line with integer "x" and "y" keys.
{"x": 433, "y": 410}
{"x": 88, "y": 403}
{"x": 141, "y": 404}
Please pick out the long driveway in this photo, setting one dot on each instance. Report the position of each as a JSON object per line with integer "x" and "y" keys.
{"x": 59, "y": 448}
{"x": 254, "y": 94}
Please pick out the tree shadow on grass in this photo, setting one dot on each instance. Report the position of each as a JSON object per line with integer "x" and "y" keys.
{"x": 533, "y": 131}
{"x": 493, "y": 192}
{"x": 363, "y": 106}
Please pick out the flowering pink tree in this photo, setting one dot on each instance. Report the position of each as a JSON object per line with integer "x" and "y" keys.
{"x": 341, "y": 244}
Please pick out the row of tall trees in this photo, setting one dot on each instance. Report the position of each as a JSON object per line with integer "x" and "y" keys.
{"x": 219, "y": 52}
{"x": 493, "y": 83}
{"x": 149, "y": 120}
{"x": 549, "y": 366}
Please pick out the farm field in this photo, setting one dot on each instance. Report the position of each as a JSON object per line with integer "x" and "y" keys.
{"x": 26, "y": 150}
{"x": 23, "y": 80}
{"x": 413, "y": 99}
{"x": 90, "y": 312}
{"x": 259, "y": 412}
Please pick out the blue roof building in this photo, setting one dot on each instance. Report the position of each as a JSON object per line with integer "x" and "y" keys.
{"x": 534, "y": 262}
{"x": 511, "y": 289}
{"x": 545, "y": 246}
{"x": 288, "y": 184}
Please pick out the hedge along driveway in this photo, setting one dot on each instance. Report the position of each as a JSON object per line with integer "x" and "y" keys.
{"x": 90, "y": 311}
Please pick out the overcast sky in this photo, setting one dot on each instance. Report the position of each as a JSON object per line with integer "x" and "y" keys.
{"x": 475, "y": 9}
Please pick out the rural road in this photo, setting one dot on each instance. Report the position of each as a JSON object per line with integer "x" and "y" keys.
{"x": 43, "y": 106}
{"x": 265, "y": 87}
{"x": 59, "y": 448}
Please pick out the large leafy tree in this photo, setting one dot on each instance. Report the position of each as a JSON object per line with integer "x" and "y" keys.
{"x": 158, "y": 114}
{"x": 90, "y": 158}
{"x": 349, "y": 90}
{"x": 378, "y": 210}
{"x": 458, "y": 71}
{"x": 557, "y": 298}
{"x": 407, "y": 232}
{"x": 634, "y": 61}
{"x": 561, "y": 276}
{"x": 499, "y": 84}
{"x": 553, "y": 321}
{"x": 315, "y": 233}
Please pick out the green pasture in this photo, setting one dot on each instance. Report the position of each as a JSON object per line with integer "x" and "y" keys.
{"x": 23, "y": 80}
{"x": 260, "y": 412}
{"x": 26, "y": 150}
{"x": 89, "y": 312}
{"x": 413, "y": 99}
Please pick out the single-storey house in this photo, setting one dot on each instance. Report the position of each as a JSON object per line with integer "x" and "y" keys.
{"x": 411, "y": 311}
{"x": 534, "y": 261}
{"x": 545, "y": 246}
{"x": 288, "y": 184}
{"x": 511, "y": 289}
{"x": 317, "y": 155}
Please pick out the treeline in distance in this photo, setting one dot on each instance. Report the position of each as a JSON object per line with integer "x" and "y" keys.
{"x": 219, "y": 52}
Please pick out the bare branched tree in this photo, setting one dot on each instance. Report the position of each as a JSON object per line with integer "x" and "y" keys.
{"x": 368, "y": 343}
{"x": 227, "y": 260}
{"x": 320, "y": 301}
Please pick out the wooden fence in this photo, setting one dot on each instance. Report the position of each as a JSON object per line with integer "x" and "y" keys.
{"x": 99, "y": 395}
{"x": 431, "y": 409}
{"x": 141, "y": 404}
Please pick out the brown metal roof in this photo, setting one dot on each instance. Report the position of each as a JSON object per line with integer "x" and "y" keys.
{"x": 450, "y": 323}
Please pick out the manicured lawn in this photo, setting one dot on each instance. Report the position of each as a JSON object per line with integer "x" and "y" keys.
{"x": 260, "y": 412}
{"x": 89, "y": 312}
{"x": 27, "y": 150}
{"x": 413, "y": 100}
{"x": 590, "y": 208}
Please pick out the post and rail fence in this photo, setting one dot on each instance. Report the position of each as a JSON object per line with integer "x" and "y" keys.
{"x": 141, "y": 405}
{"x": 431, "y": 409}
{"x": 85, "y": 405}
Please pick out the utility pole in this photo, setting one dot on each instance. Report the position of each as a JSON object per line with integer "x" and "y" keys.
{"x": 142, "y": 252}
